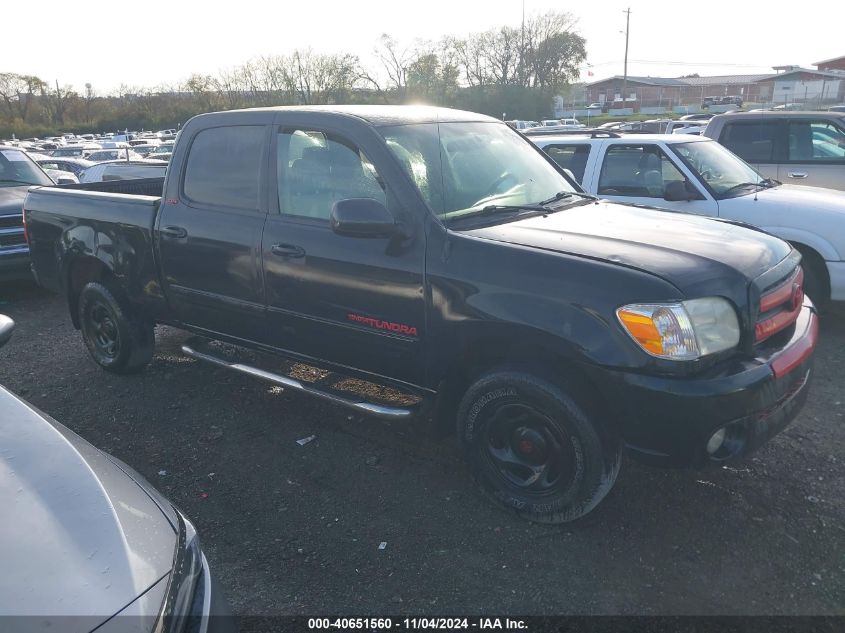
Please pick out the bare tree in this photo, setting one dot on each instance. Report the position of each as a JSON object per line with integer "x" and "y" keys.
{"x": 57, "y": 101}
{"x": 500, "y": 50}
{"x": 469, "y": 53}
{"x": 553, "y": 50}
{"x": 324, "y": 78}
{"x": 395, "y": 60}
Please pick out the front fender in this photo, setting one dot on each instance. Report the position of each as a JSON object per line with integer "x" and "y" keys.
{"x": 819, "y": 244}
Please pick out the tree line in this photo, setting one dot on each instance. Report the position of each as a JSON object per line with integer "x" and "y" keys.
{"x": 510, "y": 69}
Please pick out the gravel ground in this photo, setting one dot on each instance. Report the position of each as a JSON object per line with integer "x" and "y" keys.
{"x": 291, "y": 529}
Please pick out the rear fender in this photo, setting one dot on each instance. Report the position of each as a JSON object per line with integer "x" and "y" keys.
{"x": 79, "y": 271}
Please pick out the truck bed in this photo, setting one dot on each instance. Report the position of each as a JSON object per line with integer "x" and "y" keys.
{"x": 117, "y": 212}
{"x": 137, "y": 186}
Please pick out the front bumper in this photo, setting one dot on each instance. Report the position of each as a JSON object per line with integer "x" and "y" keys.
{"x": 210, "y": 612}
{"x": 667, "y": 421}
{"x": 194, "y": 601}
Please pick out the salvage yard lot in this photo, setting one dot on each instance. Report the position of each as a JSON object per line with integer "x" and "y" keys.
{"x": 292, "y": 528}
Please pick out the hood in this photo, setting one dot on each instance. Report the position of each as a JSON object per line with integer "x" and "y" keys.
{"x": 795, "y": 211}
{"x": 79, "y": 537}
{"x": 689, "y": 251}
{"x": 791, "y": 196}
{"x": 11, "y": 199}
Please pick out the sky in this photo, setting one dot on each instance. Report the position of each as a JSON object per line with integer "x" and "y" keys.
{"x": 156, "y": 42}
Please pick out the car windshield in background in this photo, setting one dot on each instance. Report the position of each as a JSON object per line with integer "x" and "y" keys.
{"x": 71, "y": 151}
{"x": 725, "y": 173}
{"x": 16, "y": 168}
{"x": 461, "y": 168}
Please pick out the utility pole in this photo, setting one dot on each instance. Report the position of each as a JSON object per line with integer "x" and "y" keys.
{"x": 627, "y": 13}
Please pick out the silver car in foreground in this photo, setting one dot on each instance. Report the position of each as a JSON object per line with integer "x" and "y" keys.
{"x": 86, "y": 543}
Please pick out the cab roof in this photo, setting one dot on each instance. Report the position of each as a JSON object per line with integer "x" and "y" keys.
{"x": 620, "y": 138}
{"x": 380, "y": 115}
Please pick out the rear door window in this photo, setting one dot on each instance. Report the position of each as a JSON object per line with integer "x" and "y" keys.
{"x": 223, "y": 167}
{"x": 815, "y": 141}
{"x": 753, "y": 141}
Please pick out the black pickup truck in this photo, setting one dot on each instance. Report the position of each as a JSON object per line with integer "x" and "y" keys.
{"x": 439, "y": 253}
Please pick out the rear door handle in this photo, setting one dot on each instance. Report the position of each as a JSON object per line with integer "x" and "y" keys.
{"x": 287, "y": 250}
{"x": 797, "y": 174}
{"x": 175, "y": 232}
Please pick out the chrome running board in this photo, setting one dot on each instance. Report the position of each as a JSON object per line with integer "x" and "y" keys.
{"x": 384, "y": 412}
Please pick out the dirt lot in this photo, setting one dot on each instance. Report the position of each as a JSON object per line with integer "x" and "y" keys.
{"x": 292, "y": 529}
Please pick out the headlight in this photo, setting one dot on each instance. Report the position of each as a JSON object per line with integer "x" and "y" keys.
{"x": 682, "y": 331}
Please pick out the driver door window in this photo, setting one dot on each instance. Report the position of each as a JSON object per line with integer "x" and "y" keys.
{"x": 636, "y": 171}
{"x": 316, "y": 169}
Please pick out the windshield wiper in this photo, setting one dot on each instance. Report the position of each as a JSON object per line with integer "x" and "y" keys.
{"x": 760, "y": 183}
{"x": 540, "y": 207}
{"x": 17, "y": 182}
{"x": 506, "y": 208}
{"x": 560, "y": 195}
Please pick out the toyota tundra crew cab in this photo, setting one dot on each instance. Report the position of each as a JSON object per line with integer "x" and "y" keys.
{"x": 441, "y": 254}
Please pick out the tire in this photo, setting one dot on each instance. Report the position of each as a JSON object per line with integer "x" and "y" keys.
{"x": 534, "y": 449}
{"x": 118, "y": 340}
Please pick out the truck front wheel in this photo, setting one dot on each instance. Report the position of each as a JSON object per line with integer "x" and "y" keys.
{"x": 118, "y": 340}
{"x": 534, "y": 449}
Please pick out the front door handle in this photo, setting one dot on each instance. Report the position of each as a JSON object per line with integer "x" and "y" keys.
{"x": 797, "y": 174}
{"x": 175, "y": 232}
{"x": 287, "y": 250}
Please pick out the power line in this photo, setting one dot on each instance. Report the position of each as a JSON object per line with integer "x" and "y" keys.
{"x": 677, "y": 63}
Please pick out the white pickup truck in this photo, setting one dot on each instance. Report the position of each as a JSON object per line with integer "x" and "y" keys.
{"x": 697, "y": 175}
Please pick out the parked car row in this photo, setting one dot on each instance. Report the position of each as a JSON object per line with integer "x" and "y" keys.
{"x": 128, "y": 146}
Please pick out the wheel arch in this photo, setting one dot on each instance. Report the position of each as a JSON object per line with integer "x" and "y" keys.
{"x": 815, "y": 260}
{"x": 79, "y": 272}
{"x": 533, "y": 352}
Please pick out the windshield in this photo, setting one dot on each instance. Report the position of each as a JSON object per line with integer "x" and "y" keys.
{"x": 74, "y": 151}
{"x": 16, "y": 168}
{"x": 460, "y": 168}
{"x": 722, "y": 170}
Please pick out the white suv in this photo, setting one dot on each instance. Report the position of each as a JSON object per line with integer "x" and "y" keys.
{"x": 697, "y": 175}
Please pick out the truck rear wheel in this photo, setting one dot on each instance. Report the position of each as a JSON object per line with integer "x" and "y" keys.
{"x": 534, "y": 449}
{"x": 118, "y": 340}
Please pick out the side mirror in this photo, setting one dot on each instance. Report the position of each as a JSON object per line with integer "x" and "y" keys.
{"x": 679, "y": 191}
{"x": 362, "y": 217}
{"x": 569, "y": 173}
{"x": 6, "y": 328}
{"x": 66, "y": 181}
